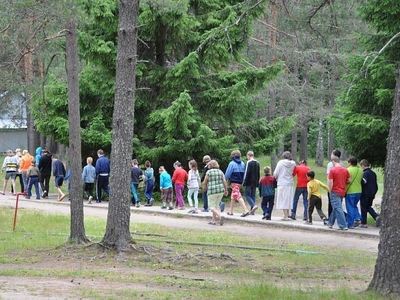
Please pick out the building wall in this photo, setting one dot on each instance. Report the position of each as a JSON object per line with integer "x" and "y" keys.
{"x": 13, "y": 138}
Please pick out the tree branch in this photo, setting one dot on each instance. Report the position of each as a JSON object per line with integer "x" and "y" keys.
{"x": 275, "y": 29}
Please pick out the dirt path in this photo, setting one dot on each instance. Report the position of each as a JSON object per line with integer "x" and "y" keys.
{"x": 282, "y": 235}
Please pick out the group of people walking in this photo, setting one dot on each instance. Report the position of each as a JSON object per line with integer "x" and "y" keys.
{"x": 355, "y": 184}
{"x": 32, "y": 172}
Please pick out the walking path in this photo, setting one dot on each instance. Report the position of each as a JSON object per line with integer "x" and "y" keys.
{"x": 276, "y": 222}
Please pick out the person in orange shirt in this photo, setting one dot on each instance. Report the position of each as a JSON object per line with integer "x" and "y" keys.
{"x": 179, "y": 179}
{"x": 24, "y": 165}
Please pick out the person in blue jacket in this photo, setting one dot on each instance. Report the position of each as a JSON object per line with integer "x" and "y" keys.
{"x": 103, "y": 175}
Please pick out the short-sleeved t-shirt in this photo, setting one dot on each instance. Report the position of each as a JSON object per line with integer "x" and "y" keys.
{"x": 356, "y": 175}
{"x": 215, "y": 181}
{"x": 339, "y": 175}
{"x": 301, "y": 173}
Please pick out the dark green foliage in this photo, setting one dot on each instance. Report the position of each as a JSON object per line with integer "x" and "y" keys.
{"x": 192, "y": 98}
{"x": 364, "y": 110}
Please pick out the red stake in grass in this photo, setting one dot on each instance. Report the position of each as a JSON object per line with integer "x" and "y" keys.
{"x": 16, "y": 209}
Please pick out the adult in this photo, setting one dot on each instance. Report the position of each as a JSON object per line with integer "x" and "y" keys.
{"x": 136, "y": 176}
{"x": 284, "y": 178}
{"x": 353, "y": 193}
{"x": 59, "y": 174}
{"x": 10, "y": 166}
{"x": 38, "y": 155}
{"x": 45, "y": 172}
{"x": 206, "y": 160}
{"x": 300, "y": 172}
{"x": 338, "y": 178}
{"x": 149, "y": 181}
{"x": 24, "y": 165}
{"x": 235, "y": 174}
{"x": 102, "y": 174}
{"x": 18, "y": 156}
{"x": 216, "y": 186}
{"x": 179, "y": 178}
{"x": 369, "y": 188}
{"x": 165, "y": 188}
{"x": 329, "y": 166}
{"x": 251, "y": 180}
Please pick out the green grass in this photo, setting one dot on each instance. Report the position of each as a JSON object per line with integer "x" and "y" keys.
{"x": 278, "y": 272}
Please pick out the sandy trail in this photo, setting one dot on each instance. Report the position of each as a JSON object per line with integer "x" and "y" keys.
{"x": 281, "y": 235}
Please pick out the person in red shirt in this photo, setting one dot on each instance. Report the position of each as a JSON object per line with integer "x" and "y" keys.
{"x": 179, "y": 178}
{"x": 301, "y": 188}
{"x": 338, "y": 177}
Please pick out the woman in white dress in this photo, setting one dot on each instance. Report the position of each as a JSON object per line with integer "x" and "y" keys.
{"x": 284, "y": 177}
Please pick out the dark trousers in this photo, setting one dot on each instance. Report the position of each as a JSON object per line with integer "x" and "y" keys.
{"x": 33, "y": 181}
{"x": 45, "y": 183}
{"x": 205, "y": 200}
{"x": 366, "y": 207}
{"x": 21, "y": 182}
{"x": 329, "y": 204}
{"x": 89, "y": 186}
{"x": 250, "y": 192}
{"x": 300, "y": 191}
{"x": 102, "y": 185}
{"x": 317, "y": 203}
{"x": 267, "y": 204}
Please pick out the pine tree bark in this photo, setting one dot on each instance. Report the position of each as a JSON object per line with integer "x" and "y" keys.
{"x": 117, "y": 233}
{"x": 386, "y": 278}
{"x": 293, "y": 144}
{"x": 77, "y": 226}
{"x": 319, "y": 154}
{"x": 28, "y": 79}
{"x": 304, "y": 142}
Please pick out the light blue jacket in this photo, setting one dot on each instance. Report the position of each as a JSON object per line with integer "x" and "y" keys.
{"x": 165, "y": 180}
{"x": 89, "y": 174}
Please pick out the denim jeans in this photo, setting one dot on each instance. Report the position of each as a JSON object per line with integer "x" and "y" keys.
{"x": 250, "y": 193}
{"x": 134, "y": 193}
{"x": 297, "y": 193}
{"x": 33, "y": 181}
{"x": 337, "y": 211}
{"x": 352, "y": 210}
{"x": 149, "y": 190}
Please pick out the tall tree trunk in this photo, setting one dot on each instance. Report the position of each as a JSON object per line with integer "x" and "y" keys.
{"x": 77, "y": 231}
{"x": 330, "y": 141}
{"x": 304, "y": 142}
{"x": 386, "y": 278}
{"x": 117, "y": 233}
{"x": 293, "y": 144}
{"x": 28, "y": 78}
{"x": 319, "y": 155}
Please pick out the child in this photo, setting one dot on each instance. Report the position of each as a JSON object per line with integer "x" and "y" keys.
{"x": 193, "y": 186}
{"x": 59, "y": 174}
{"x": 89, "y": 177}
{"x": 314, "y": 197}
{"x": 166, "y": 188}
{"x": 267, "y": 192}
{"x": 33, "y": 179}
{"x": 149, "y": 180}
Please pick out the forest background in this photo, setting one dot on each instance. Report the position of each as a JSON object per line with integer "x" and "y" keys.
{"x": 211, "y": 76}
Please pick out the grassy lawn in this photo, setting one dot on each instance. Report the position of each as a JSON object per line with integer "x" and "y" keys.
{"x": 168, "y": 265}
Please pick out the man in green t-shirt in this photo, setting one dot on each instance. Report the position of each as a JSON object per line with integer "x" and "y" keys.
{"x": 353, "y": 193}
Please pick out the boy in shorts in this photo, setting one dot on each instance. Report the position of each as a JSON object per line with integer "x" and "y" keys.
{"x": 10, "y": 165}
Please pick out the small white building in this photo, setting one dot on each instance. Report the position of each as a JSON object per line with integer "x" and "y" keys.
{"x": 13, "y": 129}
